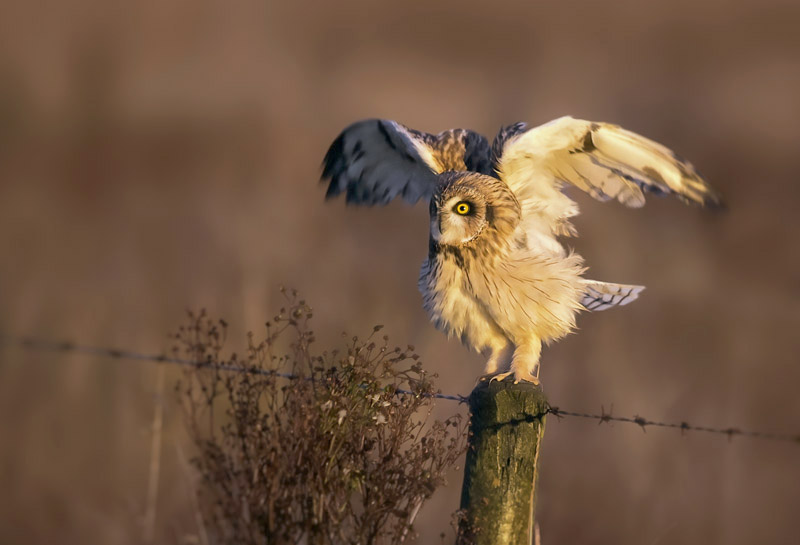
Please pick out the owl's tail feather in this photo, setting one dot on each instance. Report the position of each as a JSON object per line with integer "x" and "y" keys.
{"x": 603, "y": 295}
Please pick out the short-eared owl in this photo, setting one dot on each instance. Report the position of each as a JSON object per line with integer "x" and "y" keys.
{"x": 496, "y": 275}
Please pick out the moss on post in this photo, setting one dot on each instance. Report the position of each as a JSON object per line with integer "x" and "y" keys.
{"x": 498, "y": 497}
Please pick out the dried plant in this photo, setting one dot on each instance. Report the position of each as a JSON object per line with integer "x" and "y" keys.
{"x": 332, "y": 455}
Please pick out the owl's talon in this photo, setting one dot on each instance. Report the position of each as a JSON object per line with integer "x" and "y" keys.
{"x": 501, "y": 376}
{"x": 526, "y": 377}
{"x": 530, "y": 378}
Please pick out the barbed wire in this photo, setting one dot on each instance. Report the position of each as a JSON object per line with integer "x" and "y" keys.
{"x": 31, "y": 343}
{"x": 116, "y": 353}
{"x": 684, "y": 426}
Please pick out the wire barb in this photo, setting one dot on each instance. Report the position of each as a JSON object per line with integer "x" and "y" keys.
{"x": 31, "y": 343}
{"x": 605, "y": 416}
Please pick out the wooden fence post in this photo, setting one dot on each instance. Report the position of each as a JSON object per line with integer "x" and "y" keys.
{"x": 498, "y": 497}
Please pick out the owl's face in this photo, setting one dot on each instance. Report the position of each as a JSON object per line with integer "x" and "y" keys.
{"x": 458, "y": 216}
{"x": 469, "y": 207}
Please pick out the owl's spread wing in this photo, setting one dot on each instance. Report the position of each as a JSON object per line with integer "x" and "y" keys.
{"x": 604, "y": 160}
{"x": 375, "y": 160}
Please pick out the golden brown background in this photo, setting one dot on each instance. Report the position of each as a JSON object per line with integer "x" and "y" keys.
{"x": 160, "y": 155}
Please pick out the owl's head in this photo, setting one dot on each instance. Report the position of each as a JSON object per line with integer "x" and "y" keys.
{"x": 467, "y": 205}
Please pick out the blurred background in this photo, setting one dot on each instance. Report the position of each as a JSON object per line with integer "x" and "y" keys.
{"x": 157, "y": 156}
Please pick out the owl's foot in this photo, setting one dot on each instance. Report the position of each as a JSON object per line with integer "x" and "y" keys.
{"x": 525, "y": 363}
{"x": 501, "y": 376}
{"x": 526, "y": 377}
{"x": 489, "y": 377}
{"x": 522, "y": 377}
{"x": 500, "y": 357}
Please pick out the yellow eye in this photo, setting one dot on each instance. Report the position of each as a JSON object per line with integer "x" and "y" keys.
{"x": 462, "y": 208}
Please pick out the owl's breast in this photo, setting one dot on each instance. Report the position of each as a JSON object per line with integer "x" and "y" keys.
{"x": 448, "y": 298}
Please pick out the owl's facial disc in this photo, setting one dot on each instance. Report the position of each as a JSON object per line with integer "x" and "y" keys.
{"x": 457, "y": 219}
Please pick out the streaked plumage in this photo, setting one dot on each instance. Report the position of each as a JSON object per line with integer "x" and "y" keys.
{"x": 496, "y": 275}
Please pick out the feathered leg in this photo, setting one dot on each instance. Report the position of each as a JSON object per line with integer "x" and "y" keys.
{"x": 500, "y": 351}
{"x": 525, "y": 363}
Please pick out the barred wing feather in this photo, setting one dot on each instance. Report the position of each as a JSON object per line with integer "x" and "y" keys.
{"x": 604, "y": 295}
{"x": 604, "y": 160}
{"x": 376, "y": 160}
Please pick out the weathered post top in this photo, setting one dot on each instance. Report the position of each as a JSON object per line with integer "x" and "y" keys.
{"x": 498, "y": 496}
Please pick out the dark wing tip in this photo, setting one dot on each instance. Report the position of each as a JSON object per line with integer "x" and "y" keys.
{"x": 334, "y": 158}
{"x": 373, "y": 161}
{"x": 708, "y": 197}
{"x": 504, "y": 136}
{"x": 705, "y": 197}
{"x": 333, "y": 188}
{"x": 714, "y": 202}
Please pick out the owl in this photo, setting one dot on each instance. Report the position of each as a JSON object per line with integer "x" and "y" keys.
{"x": 497, "y": 274}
